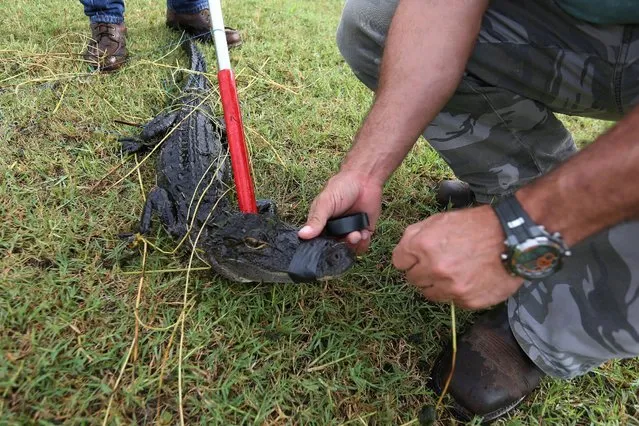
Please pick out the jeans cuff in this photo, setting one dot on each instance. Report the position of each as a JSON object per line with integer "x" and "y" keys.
{"x": 191, "y": 8}
{"x": 107, "y": 19}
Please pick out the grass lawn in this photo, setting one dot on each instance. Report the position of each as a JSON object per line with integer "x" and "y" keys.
{"x": 352, "y": 351}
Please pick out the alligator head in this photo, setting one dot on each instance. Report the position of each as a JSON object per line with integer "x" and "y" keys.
{"x": 262, "y": 248}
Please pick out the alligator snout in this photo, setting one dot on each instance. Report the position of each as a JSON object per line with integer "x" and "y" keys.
{"x": 337, "y": 259}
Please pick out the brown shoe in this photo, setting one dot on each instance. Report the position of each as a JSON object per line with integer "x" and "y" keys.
{"x": 199, "y": 26}
{"x": 455, "y": 192}
{"x": 106, "y": 51}
{"x": 492, "y": 374}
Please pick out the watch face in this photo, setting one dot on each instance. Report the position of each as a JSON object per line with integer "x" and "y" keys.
{"x": 536, "y": 259}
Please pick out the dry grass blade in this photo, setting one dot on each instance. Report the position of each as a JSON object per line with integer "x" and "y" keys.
{"x": 277, "y": 155}
{"x": 166, "y": 271}
{"x": 134, "y": 342}
{"x": 186, "y": 292}
{"x": 453, "y": 355}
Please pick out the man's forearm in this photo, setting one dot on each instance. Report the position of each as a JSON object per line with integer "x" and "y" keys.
{"x": 597, "y": 188}
{"x": 426, "y": 51}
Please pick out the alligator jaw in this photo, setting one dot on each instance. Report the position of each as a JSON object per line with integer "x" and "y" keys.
{"x": 329, "y": 259}
{"x": 262, "y": 248}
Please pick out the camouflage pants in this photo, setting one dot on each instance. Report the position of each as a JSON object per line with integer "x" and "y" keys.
{"x": 499, "y": 131}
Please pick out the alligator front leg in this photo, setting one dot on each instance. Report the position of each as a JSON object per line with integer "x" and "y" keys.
{"x": 157, "y": 201}
{"x": 151, "y": 133}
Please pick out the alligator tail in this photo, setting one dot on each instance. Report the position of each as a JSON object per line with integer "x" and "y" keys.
{"x": 197, "y": 80}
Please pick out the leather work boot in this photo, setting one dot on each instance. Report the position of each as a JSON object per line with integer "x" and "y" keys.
{"x": 492, "y": 374}
{"x": 198, "y": 25}
{"x": 106, "y": 51}
{"x": 455, "y": 192}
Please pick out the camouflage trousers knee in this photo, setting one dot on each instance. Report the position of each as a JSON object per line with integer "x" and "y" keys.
{"x": 499, "y": 131}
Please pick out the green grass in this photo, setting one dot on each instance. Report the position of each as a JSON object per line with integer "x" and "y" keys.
{"x": 352, "y": 351}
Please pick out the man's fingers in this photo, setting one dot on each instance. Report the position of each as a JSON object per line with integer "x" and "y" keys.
{"x": 406, "y": 254}
{"x": 359, "y": 240}
{"x": 403, "y": 259}
{"x": 434, "y": 294}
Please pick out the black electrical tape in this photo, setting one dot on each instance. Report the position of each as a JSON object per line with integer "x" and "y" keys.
{"x": 303, "y": 267}
{"x": 341, "y": 226}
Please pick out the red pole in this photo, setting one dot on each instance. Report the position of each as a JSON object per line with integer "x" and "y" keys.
{"x": 237, "y": 143}
{"x": 232, "y": 116}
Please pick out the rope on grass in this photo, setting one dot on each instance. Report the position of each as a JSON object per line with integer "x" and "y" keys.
{"x": 181, "y": 320}
{"x": 165, "y": 271}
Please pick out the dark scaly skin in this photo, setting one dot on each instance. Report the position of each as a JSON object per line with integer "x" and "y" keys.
{"x": 193, "y": 175}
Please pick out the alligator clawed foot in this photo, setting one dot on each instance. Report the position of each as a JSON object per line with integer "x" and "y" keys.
{"x": 132, "y": 239}
{"x": 267, "y": 207}
{"x": 131, "y": 145}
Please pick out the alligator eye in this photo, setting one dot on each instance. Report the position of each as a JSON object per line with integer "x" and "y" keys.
{"x": 254, "y": 243}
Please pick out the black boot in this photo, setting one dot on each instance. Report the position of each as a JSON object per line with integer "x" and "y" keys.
{"x": 492, "y": 374}
{"x": 455, "y": 192}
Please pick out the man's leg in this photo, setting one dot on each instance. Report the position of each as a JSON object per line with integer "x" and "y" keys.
{"x": 193, "y": 16}
{"x": 105, "y": 11}
{"x": 588, "y": 312}
{"x": 499, "y": 132}
{"x": 106, "y": 50}
{"x": 187, "y": 6}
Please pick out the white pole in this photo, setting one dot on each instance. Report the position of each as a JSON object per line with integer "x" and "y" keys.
{"x": 219, "y": 35}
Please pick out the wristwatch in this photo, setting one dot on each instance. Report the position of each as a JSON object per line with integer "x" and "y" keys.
{"x": 531, "y": 251}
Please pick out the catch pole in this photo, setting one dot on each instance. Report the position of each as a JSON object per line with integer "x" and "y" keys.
{"x": 232, "y": 115}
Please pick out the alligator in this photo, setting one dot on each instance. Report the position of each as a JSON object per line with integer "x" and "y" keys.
{"x": 192, "y": 198}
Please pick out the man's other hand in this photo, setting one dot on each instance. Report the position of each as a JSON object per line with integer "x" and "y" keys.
{"x": 455, "y": 256}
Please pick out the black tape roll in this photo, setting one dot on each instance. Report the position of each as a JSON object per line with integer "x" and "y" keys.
{"x": 341, "y": 226}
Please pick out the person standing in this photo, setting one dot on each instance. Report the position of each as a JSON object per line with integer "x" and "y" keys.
{"x": 106, "y": 50}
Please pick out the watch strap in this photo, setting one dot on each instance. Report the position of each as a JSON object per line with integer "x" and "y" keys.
{"x": 514, "y": 220}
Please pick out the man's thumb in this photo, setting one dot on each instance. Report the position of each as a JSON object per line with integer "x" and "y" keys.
{"x": 317, "y": 216}
{"x": 313, "y": 227}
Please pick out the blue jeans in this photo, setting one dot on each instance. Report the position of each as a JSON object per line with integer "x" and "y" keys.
{"x": 112, "y": 11}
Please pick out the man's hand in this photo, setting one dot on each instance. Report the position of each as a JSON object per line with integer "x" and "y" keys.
{"x": 425, "y": 54}
{"x": 346, "y": 192}
{"x": 455, "y": 257}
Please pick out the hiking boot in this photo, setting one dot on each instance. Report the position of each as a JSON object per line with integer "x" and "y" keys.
{"x": 455, "y": 192}
{"x": 106, "y": 51}
{"x": 492, "y": 374}
{"x": 198, "y": 25}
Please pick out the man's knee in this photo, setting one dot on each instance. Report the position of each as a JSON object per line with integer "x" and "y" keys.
{"x": 350, "y": 32}
{"x": 361, "y": 35}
